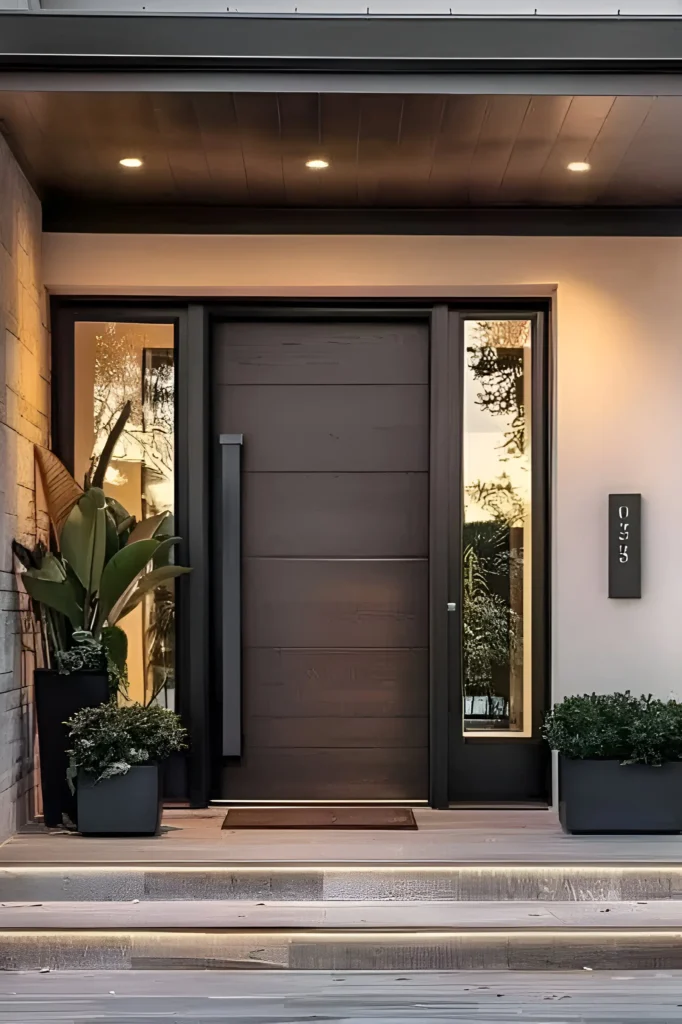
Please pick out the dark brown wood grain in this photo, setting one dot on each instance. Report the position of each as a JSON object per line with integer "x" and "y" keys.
{"x": 323, "y": 773}
{"x": 353, "y": 732}
{"x": 351, "y": 428}
{"x": 334, "y": 543}
{"x": 336, "y": 515}
{"x": 388, "y": 683}
{"x": 495, "y": 146}
{"x": 314, "y": 353}
{"x": 289, "y": 602}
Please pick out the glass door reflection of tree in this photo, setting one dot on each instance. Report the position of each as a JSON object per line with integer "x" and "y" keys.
{"x": 116, "y": 363}
{"x": 497, "y": 527}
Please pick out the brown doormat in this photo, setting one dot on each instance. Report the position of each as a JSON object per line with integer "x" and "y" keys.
{"x": 320, "y": 817}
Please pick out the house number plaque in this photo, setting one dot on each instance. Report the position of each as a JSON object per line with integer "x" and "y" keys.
{"x": 625, "y": 545}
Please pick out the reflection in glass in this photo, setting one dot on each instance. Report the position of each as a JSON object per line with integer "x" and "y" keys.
{"x": 497, "y": 524}
{"x": 116, "y": 363}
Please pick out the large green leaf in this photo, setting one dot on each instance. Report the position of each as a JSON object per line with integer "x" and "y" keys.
{"x": 120, "y": 575}
{"x": 149, "y": 582}
{"x": 52, "y": 594}
{"x": 113, "y": 543}
{"x": 117, "y": 510}
{"x": 84, "y": 539}
{"x": 51, "y": 568}
{"x": 163, "y": 552}
{"x": 147, "y": 528}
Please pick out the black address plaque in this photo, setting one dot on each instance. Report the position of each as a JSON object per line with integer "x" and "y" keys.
{"x": 625, "y": 545}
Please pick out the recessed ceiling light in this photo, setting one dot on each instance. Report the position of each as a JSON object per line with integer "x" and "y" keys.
{"x": 130, "y": 161}
{"x": 578, "y": 166}
{"x": 317, "y": 165}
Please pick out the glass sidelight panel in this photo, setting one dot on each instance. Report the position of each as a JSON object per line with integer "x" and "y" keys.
{"x": 116, "y": 363}
{"x": 497, "y": 550}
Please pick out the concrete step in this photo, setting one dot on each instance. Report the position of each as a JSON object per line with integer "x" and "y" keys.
{"x": 400, "y": 882}
{"x": 354, "y": 915}
{"x": 325, "y": 916}
{"x": 346, "y": 936}
{"x": 531, "y": 949}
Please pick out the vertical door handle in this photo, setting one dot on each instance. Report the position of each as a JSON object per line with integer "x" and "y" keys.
{"x": 231, "y": 591}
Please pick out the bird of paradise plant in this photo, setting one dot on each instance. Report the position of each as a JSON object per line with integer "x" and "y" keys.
{"x": 103, "y": 565}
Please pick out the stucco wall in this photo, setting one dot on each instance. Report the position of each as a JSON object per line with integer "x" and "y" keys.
{"x": 618, "y": 367}
{"x": 24, "y": 408}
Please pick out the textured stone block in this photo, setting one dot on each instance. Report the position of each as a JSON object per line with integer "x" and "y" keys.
{"x": 9, "y": 524}
{"x": 24, "y": 421}
{"x": 9, "y": 288}
{"x": 222, "y": 885}
{"x": 70, "y": 885}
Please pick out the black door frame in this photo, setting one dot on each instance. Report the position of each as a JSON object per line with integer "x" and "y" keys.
{"x": 194, "y": 486}
{"x": 452, "y": 496}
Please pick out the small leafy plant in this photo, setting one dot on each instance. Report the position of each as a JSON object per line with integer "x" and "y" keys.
{"x": 108, "y": 740}
{"x": 616, "y": 726}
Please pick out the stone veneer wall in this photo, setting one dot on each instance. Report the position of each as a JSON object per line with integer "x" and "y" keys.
{"x": 24, "y": 420}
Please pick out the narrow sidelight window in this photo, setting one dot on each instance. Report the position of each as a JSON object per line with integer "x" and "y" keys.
{"x": 497, "y": 550}
{"x": 117, "y": 363}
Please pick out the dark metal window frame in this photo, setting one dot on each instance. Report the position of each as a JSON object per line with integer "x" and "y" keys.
{"x": 191, "y": 478}
{"x": 195, "y": 459}
{"x": 540, "y": 529}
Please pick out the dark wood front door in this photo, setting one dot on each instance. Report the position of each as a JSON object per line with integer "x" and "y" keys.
{"x": 335, "y": 423}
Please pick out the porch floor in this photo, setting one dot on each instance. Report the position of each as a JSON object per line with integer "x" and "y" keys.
{"x": 444, "y": 837}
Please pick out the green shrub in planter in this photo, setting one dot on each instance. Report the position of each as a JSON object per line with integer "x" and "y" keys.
{"x": 104, "y": 564}
{"x": 620, "y": 762}
{"x": 115, "y": 756}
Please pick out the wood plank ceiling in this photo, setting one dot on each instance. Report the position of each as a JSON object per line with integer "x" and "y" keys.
{"x": 384, "y": 150}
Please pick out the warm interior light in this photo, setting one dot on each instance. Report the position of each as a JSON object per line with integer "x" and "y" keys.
{"x": 317, "y": 165}
{"x": 115, "y": 477}
{"x": 130, "y": 161}
{"x": 579, "y": 166}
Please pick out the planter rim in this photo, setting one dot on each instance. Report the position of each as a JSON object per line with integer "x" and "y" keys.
{"x": 119, "y": 775}
{"x": 618, "y": 761}
{"x": 99, "y": 673}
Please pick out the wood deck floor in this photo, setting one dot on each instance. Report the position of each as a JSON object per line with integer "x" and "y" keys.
{"x": 444, "y": 837}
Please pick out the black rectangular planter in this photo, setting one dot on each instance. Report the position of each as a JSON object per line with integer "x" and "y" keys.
{"x": 600, "y": 797}
{"x": 58, "y": 697}
{"x": 127, "y": 804}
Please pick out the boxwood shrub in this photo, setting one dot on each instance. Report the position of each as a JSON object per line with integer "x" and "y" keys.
{"x": 616, "y": 726}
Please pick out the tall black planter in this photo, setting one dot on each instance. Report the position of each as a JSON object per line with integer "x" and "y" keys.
{"x": 58, "y": 697}
{"x": 174, "y": 776}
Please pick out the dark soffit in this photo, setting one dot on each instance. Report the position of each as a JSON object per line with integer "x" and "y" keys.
{"x": 386, "y": 152}
{"x": 105, "y": 218}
